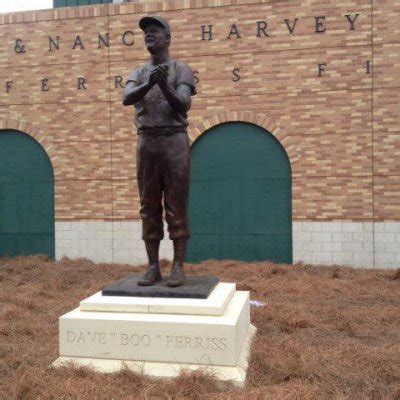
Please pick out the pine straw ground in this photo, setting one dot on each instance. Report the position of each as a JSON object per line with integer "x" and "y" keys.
{"x": 325, "y": 333}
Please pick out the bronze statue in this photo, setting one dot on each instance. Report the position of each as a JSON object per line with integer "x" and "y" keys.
{"x": 161, "y": 92}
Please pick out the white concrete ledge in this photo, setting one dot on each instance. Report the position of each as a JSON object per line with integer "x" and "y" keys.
{"x": 215, "y": 304}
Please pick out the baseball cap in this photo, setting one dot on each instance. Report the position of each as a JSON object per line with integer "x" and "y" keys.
{"x": 154, "y": 19}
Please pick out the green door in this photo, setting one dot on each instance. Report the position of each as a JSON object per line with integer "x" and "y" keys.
{"x": 26, "y": 197}
{"x": 240, "y": 196}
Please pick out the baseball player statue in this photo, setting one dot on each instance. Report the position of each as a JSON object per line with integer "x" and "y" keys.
{"x": 161, "y": 92}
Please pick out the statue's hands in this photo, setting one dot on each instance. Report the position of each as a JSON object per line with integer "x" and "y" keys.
{"x": 163, "y": 74}
{"x": 159, "y": 76}
{"x": 153, "y": 78}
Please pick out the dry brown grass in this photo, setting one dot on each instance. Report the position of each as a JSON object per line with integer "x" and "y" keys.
{"x": 325, "y": 333}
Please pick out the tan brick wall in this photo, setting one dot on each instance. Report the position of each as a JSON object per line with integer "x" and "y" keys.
{"x": 341, "y": 131}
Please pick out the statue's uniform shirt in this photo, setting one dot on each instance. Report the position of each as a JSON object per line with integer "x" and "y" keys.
{"x": 162, "y": 155}
{"x": 153, "y": 110}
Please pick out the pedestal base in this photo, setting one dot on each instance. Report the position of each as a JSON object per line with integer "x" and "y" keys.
{"x": 108, "y": 335}
{"x": 236, "y": 374}
{"x": 195, "y": 287}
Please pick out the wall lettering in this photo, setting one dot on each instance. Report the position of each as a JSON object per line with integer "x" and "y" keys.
{"x": 82, "y": 84}
{"x": 45, "y": 85}
{"x": 104, "y": 40}
{"x": 54, "y": 43}
{"x": 261, "y": 28}
{"x": 291, "y": 25}
{"x": 319, "y": 24}
{"x": 125, "y": 39}
{"x": 368, "y": 66}
{"x": 78, "y": 42}
{"x": 234, "y": 31}
{"x": 9, "y": 86}
{"x": 207, "y": 31}
{"x": 19, "y": 47}
{"x": 236, "y": 75}
{"x": 352, "y": 20}
{"x": 119, "y": 82}
{"x": 321, "y": 69}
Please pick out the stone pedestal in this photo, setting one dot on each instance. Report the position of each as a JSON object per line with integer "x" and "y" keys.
{"x": 161, "y": 336}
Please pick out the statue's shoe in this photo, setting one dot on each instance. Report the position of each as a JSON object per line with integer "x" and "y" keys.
{"x": 177, "y": 277}
{"x": 152, "y": 276}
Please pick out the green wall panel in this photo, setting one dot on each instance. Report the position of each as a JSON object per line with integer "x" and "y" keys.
{"x": 26, "y": 197}
{"x": 73, "y": 3}
{"x": 240, "y": 196}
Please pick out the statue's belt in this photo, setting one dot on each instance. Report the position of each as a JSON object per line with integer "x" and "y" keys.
{"x": 161, "y": 131}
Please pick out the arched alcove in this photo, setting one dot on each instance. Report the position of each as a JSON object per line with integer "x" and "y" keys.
{"x": 26, "y": 196}
{"x": 240, "y": 198}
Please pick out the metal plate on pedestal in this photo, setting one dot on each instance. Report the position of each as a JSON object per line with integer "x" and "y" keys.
{"x": 195, "y": 287}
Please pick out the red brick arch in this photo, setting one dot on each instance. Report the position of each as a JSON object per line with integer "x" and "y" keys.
{"x": 244, "y": 116}
{"x": 35, "y": 133}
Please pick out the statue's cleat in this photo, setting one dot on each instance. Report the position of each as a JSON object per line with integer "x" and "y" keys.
{"x": 152, "y": 276}
{"x": 177, "y": 277}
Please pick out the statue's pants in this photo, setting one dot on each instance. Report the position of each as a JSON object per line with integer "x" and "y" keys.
{"x": 163, "y": 170}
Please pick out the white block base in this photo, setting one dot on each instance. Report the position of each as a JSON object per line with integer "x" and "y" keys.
{"x": 356, "y": 244}
{"x": 236, "y": 374}
{"x": 158, "y": 343}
